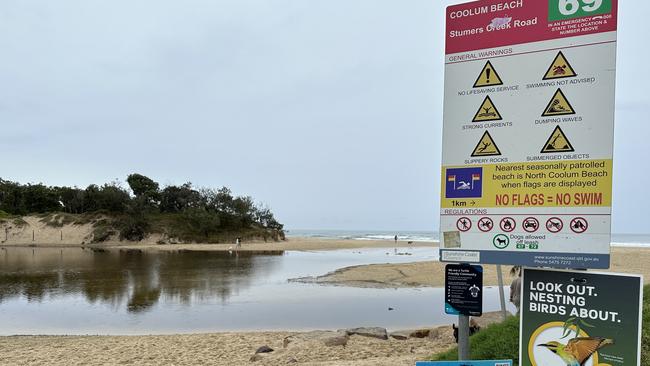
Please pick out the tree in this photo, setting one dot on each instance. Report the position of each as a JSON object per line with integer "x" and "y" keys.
{"x": 177, "y": 199}
{"x": 113, "y": 198}
{"x": 144, "y": 188}
{"x": 202, "y": 221}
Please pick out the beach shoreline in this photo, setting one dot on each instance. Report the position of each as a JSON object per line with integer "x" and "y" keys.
{"x": 431, "y": 273}
{"x": 317, "y": 348}
{"x": 292, "y": 243}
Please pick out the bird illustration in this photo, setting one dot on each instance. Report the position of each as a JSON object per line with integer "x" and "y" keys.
{"x": 578, "y": 350}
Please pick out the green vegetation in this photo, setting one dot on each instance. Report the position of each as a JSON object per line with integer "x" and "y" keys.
{"x": 182, "y": 213}
{"x": 501, "y": 341}
{"x": 496, "y": 342}
{"x": 645, "y": 338}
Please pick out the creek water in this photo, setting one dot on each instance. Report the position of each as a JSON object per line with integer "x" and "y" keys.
{"x": 81, "y": 291}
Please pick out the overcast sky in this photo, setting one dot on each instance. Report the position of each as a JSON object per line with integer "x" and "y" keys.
{"x": 328, "y": 111}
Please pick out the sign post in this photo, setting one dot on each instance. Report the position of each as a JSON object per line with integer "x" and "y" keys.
{"x": 528, "y": 133}
{"x": 465, "y": 363}
{"x": 502, "y": 296}
{"x": 463, "y": 297}
{"x": 580, "y": 318}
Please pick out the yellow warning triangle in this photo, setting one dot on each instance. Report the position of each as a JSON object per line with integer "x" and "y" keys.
{"x": 558, "y": 106}
{"x": 560, "y": 68}
{"x": 488, "y": 77}
{"x": 486, "y": 146}
{"x": 487, "y": 112}
{"x": 557, "y": 142}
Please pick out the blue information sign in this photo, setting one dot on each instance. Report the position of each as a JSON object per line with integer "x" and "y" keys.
{"x": 465, "y": 363}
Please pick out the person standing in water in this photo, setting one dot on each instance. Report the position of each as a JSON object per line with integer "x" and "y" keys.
{"x": 238, "y": 242}
{"x": 396, "y": 239}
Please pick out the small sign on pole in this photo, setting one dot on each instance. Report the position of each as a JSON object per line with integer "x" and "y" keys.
{"x": 464, "y": 289}
{"x": 580, "y": 318}
{"x": 465, "y": 363}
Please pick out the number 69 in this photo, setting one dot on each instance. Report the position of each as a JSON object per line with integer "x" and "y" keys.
{"x": 570, "y": 7}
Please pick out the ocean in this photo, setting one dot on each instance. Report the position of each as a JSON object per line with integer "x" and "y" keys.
{"x": 618, "y": 240}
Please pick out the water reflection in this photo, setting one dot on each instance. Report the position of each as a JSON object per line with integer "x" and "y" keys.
{"x": 131, "y": 278}
{"x": 74, "y": 291}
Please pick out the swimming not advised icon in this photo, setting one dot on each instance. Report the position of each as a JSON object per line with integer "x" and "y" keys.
{"x": 486, "y": 146}
{"x": 488, "y": 77}
{"x": 557, "y": 142}
{"x": 558, "y": 106}
{"x": 487, "y": 112}
{"x": 560, "y": 68}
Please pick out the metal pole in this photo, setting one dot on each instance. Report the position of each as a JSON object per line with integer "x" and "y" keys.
{"x": 463, "y": 338}
{"x": 502, "y": 295}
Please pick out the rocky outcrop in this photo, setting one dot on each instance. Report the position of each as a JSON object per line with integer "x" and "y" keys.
{"x": 372, "y": 332}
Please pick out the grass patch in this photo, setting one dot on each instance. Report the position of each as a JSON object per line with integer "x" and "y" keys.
{"x": 645, "y": 337}
{"x": 496, "y": 342}
{"x": 501, "y": 341}
{"x": 103, "y": 230}
{"x": 4, "y": 215}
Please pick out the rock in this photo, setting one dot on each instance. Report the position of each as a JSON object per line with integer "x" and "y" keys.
{"x": 403, "y": 335}
{"x": 264, "y": 349}
{"x": 372, "y": 332}
{"x": 420, "y": 333}
{"x": 336, "y": 340}
{"x": 400, "y": 335}
{"x": 291, "y": 360}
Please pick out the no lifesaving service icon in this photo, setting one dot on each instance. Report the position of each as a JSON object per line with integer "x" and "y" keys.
{"x": 488, "y": 77}
{"x": 486, "y": 146}
{"x": 487, "y": 112}
{"x": 560, "y": 68}
{"x": 557, "y": 142}
{"x": 558, "y": 106}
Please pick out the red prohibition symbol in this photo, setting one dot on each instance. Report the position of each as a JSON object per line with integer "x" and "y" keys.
{"x": 554, "y": 224}
{"x": 579, "y": 225}
{"x": 508, "y": 224}
{"x": 531, "y": 224}
{"x": 485, "y": 224}
{"x": 464, "y": 224}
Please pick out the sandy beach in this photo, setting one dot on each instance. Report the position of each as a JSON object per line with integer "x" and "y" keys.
{"x": 623, "y": 260}
{"x": 227, "y": 349}
{"x": 223, "y": 349}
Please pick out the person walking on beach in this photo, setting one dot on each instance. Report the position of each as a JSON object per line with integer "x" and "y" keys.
{"x": 238, "y": 242}
{"x": 395, "y": 238}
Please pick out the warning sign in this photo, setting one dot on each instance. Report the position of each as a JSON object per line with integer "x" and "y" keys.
{"x": 487, "y": 112}
{"x": 486, "y": 146}
{"x": 488, "y": 77}
{"x": 557, "y": 142}
{"x": 464, "y": 224}
{"x": 527, "y": 139}
{"x": 560, "y": 68}
{"x": 579, "y": 225}
{"x": 558, "y": 106}
{"x": 554, "y": 224}
{"x": 485, "y": 224}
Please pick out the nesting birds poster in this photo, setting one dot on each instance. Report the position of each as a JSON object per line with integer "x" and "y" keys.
{"x": 579, "y": 318}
